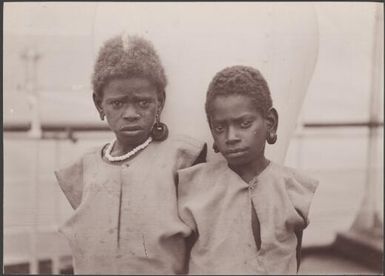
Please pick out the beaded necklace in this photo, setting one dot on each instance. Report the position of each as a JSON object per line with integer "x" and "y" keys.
{"x": 110, "y": 158}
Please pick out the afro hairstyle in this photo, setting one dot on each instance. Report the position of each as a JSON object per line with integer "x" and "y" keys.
{"x": 125, "y": 57}
{"x": 240, "y": 80}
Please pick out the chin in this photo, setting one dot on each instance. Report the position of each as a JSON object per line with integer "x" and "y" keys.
{"x": 133, "y": 139}
{"x": 237, "y": 162}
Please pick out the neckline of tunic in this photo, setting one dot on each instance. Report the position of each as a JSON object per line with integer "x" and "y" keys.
{"x": 256, "y": 179}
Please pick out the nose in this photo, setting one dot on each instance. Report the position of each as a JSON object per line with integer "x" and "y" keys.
{"x": 232, "y": 136}
{"x": 130, "y": 113}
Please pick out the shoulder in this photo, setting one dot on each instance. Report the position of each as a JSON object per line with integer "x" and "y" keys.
{"x": 70, "y": 177}
{"x": 186, "y": 151}
{"x": 294, "y": 178}
{"x": 78, "y": 162}
{"x": 298, "y": 186}
{"x": 183, "y": 142}
{"x": 204, "y": 169}
{"x": 201, "y": 175}
{"x": 94, "y": 152}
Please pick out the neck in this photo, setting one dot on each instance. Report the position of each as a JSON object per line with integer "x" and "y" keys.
{"x": 121, "y": 148}
{"x": 249, "y": 170}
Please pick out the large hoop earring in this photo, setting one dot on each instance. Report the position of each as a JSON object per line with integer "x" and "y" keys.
{"x": 215, "y": 148}
{"x": 159, "y": 131}
{"x": 272, "y": 138}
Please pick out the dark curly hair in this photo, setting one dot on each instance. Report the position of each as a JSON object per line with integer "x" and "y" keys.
{"x": 128, "y": 56}
{"x": 240, "y": 80}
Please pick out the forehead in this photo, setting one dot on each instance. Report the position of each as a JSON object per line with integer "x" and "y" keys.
{"x": 134, "y": 86}
{"x": 225, "y": 107}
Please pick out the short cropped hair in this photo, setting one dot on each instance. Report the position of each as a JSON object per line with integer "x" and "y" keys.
{"x": 128, "y": 56}
{"x": 240, "y": 80}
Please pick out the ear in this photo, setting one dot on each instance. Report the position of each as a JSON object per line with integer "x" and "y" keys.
{"x": 98, "y": 105}
{"x": 272, "y": 120}
{"x": 161, "y": 101}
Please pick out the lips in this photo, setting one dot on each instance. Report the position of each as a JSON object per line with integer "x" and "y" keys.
{"x": 130, "y": 128}
{"x": 235, "y": 152}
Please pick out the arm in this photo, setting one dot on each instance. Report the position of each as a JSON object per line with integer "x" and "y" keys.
{"x": 189, "y": 242}
{"x": 299, "y": 233}
{"x": 186, "y": 196}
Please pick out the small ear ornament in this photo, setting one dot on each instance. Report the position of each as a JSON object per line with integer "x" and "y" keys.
{"x": 159, "y": 131}
{"x": 271, "y": 138}
{"x": 215, "y": 148}
{"x": 102, "y": 116}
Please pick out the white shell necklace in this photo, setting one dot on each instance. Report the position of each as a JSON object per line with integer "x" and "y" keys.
{"x": 110, "y": 158}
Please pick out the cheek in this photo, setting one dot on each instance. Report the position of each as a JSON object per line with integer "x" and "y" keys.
{"x": 110, "y": 114}
{"x": 219, "y": 140}
{"x": 259, "y": 135}
{"x": 153, "y": 110}
{"x": 260, "y": 130}
{"x": 149, "y": 114}
{"x": 155, "y": 107}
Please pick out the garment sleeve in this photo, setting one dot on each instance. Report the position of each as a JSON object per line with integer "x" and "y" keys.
{"x": 186, "y": 196}
{"x": 190, "y": 152}
{"x": 301, "y": 189}
{"x": 202, "y": 156}
{"x": 70, "y": 180}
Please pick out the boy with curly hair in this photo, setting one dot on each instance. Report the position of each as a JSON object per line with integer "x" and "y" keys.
{"x": 246, "y": 212}
{"x": 124, "y": 192}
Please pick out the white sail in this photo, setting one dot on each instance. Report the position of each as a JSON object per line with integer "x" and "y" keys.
{"x": 195, "y": 41}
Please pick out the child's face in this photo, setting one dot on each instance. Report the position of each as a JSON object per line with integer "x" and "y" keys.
{"x": 239, "y": 130}
{"x": 130, "y": 106}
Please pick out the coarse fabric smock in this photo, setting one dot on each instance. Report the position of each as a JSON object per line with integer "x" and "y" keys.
{"x": 125, "y": 219}
{"x": 217, "y": 204}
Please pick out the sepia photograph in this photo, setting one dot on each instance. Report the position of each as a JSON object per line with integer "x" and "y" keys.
{"x": 193, "y": 138}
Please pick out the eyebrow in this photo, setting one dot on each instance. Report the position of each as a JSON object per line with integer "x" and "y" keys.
{"x": 123, "y": 98}
{"x": 142, "y": 97}
{"x": 112, "y": 98}
{"x": 243, "y": 116}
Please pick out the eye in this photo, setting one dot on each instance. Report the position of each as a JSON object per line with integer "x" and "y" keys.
{"x": 144, "y": 103}
{"x": 116, "y": 104}
{"x": 246, "y": 124}
{"x": 218, "y": 128}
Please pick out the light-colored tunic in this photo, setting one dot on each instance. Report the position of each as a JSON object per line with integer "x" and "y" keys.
{"x": 125, "y": 219}
{"x": 216, "y": 203}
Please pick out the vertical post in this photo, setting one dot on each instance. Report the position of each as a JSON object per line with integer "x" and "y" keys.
{"x": 35, "y": 195}
{"x": 367, "y": 219}
{"x": 56, "y": 257}
{"x": 31, "y": 57}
